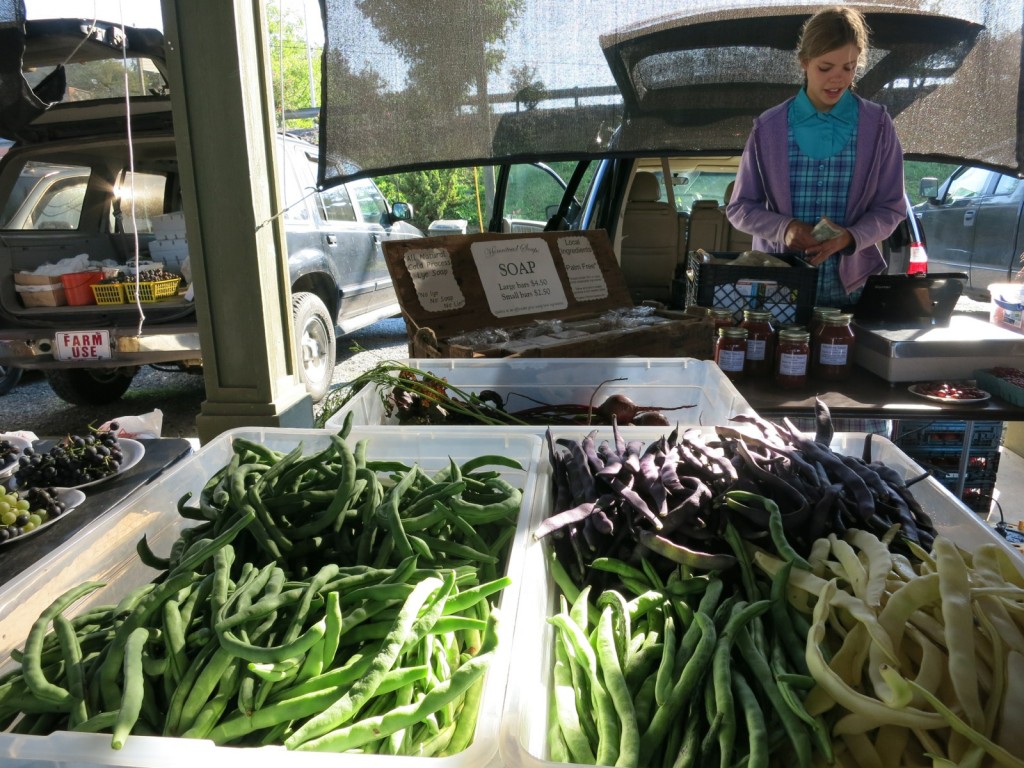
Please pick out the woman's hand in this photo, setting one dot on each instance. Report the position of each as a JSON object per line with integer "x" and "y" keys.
{"x": 819, "y": 252}
{"x": 799, "y": 236}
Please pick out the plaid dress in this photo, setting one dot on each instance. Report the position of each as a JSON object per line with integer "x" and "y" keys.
{"x": 819, "y": 188}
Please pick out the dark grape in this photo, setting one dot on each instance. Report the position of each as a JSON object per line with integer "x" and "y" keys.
{"x": 75, "y": 460}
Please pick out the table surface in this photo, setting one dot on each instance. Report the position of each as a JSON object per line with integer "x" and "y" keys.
{"x": 867, "y": 396}
{"x": 160, "y": 454}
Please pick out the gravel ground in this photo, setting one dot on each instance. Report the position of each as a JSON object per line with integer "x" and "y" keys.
{"x": 33, "y": 406}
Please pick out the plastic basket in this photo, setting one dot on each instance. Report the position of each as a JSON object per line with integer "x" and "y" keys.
{"x": 77, "y": 287}
{"x": 1000, "y": 387}
{"x": 108, "y": 293}
{"x": 153, "y": 291}
{"x": 788, "y": 293}
{"x": 911, "y": 435}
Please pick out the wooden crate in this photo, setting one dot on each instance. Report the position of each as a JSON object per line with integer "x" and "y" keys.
{"x": 517, "y": 284}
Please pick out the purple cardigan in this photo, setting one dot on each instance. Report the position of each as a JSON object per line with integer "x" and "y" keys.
{"x": 761, "y": 204}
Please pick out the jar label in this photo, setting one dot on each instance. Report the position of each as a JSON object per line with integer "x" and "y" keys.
{"x": 834, "y": 354}
{"x": 755, "y": 349}
{"x": 731, "y": 360}
{"x": 791, "y": 364}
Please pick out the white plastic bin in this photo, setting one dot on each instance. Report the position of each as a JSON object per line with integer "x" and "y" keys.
{"x": 521, "y": 382}
{"x": 106, "y": 551}
{"x": 524, "y": 725}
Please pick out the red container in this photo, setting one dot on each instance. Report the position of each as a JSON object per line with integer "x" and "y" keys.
{"x": 78, "y": 287}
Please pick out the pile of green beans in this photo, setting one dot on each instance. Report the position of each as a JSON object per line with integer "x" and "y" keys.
{"x": 252, "y": 635}
{"x": 696, "y": 669}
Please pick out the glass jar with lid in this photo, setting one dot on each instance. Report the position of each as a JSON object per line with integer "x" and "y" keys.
{"x": 792, "y": 355}
{"x": 722, "y": 317}
{"x": 832, "y": 348}
{"x": 760, "y": 341}
{"x": 731, "y": 350}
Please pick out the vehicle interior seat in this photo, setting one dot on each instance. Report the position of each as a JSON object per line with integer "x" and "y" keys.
{"x": 735, "y": 240}
{"x": 650, "y": 240}
{"x": 707, "y": 226}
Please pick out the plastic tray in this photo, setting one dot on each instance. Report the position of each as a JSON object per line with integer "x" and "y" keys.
{"x": 106, "y": 551}
{"x": 524, "y": 725}
{"x": 152, "y": 291}
{"x": 108, "y": 293}
{"x": 648, "y": 381}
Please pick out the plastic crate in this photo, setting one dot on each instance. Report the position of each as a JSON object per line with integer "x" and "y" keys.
{"x": 788, "y": 293}
{"x": 1000, "y": 387}
{"x": 522, "y": 382}
{"x": 910, "y": 434}
{"x": 108, "y": 293}
{"x": 152, "y": 291}
{"x": 524, "y": 730}
{"x": 105, "y": 551}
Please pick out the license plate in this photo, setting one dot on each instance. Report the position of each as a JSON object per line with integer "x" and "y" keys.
{"x": 72, "y": 346}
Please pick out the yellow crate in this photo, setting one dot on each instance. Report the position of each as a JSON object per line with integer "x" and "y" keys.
{"x": 108, "y": 293}
{"x": 153, "y": 291}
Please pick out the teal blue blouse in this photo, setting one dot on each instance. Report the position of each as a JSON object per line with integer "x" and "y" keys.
{"x": 822, "y": 134}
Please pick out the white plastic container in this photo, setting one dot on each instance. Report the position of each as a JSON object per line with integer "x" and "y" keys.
{"x": 666, "y": 382}
{"x": 525, "y": 722}
{"x": 106, "y": 551}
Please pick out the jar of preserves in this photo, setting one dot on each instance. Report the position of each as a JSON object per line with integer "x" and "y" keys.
{"x": 817, "y": 316}
{"x": 832, "y": 348}
{"x": 792, "y": 356}
{"x": 760, "y": 342}
{"x": 722, "y": 317}
{"x": 731, "y": 351}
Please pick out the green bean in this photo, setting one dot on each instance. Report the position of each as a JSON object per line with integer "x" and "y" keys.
{"x": 72, "y": 653}
{"x": 785, "y": 633}
{"x": 348, "y": 705}
{"x": 757, "y": 730}
{"x": 369, "y": 729}
{"x": 133, "y": 691}
{"x": 618, "y": 567}
{"x": 149, "y": 559}
{"x": 249, "y": 652}
{"x": 462, "y": 551}
{"x": 194, "y": 558}
{"x": 564, "y": 706}
{"x": 607, "y": 746}
{"x": 615, "y": 681}
{"x": 666, "y": 669}
{"x": 481, "y": 514}
{"x": 762, "y": 673}
{"x": 689, "y": 749}
{"x": 33, "y": 672}
{"x": 691, "y": 675}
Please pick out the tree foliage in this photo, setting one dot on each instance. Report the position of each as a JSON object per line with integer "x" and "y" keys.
{"x": 448, "y": 193}
{"x": 290, "y": 60}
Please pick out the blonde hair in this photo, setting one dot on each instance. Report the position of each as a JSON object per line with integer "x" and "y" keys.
{"x": 833, "y": 28}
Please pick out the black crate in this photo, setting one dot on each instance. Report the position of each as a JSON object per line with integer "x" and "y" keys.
{"x": 788, "y": 293}
{"x": 909, "y": 434}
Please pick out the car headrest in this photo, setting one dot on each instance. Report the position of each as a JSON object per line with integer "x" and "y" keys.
{"x": 645, "y": 189}
{"x": 728, "y": 192}
{"x": 704, "y": 205}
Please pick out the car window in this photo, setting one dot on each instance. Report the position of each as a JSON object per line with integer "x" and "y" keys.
{"x": 973, "y": 182}
{"x": 531, "y": 193}
{"x": 336, "y": 205}
{"x": 46, "y": 196}
{"x": 1006, "y": 185}
{"x": 370, "y": 201}
{"x": 148, "y": 191}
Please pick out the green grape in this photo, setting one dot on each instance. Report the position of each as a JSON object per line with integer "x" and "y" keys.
{"x": 34, "y": 519}
{"x": 11, "y": 498}
{"x": 23, "y": 504}
{"x": 30, "y": 526}
{"x": 4, "y": 507}
{"x": 8, "y": 517}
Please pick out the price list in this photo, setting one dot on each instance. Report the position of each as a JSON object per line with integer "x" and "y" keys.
{"x": 434, "y": 280}
{"x": 519, "y": 276}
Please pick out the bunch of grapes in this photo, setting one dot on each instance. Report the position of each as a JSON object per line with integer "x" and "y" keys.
{"x": 21, "y": 513}
{"x": 75, "y": 460}
{"x": 8, "y": 453}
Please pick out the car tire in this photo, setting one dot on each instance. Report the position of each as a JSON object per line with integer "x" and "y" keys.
{"x": 316, "y": 344}
{"x": 90, "y": 386}
{"x": 9, "y": 377}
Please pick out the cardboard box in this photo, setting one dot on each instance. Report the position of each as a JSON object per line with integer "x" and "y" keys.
{"x": 40, "y": 290}
{"x": 544, "y": 294}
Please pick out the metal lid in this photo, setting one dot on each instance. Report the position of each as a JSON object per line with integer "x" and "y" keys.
{"x": 794, "y": 334}
{"x": 732, "y": 332}
{"x": 837, "y": 319}
{"x": 758, "y": 315}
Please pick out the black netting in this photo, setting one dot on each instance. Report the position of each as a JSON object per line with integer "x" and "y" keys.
{"x": 458, "y": 82}
{"x": 21, "y": 103}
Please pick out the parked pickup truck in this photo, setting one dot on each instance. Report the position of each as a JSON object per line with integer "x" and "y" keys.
{"x": 74, "y": 182}
{"x": 974, "y": 224}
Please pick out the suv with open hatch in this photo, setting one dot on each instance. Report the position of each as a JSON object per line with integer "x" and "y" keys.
{"x": 74, "y": 183}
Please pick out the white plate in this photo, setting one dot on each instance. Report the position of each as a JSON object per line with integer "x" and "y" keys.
{"x": 132, "y": 452}
{"x": 71, "y": 498}
{"x": 21, "y": 444}
{"x": 914, "y": 389}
